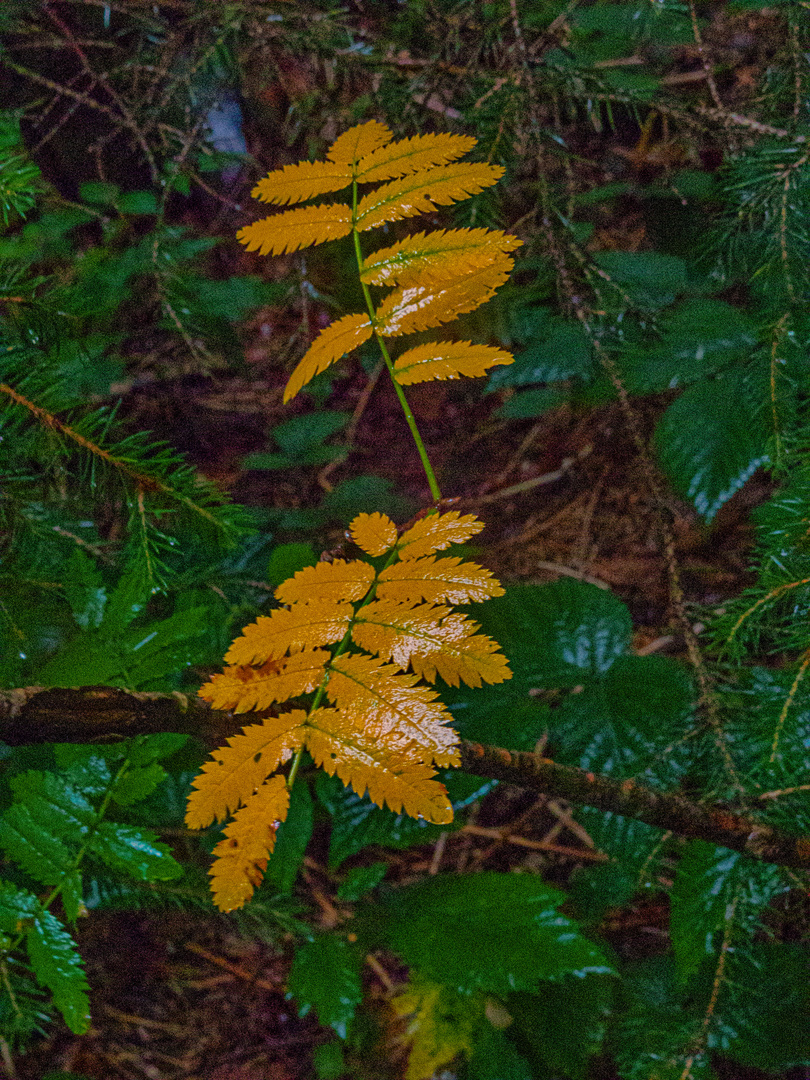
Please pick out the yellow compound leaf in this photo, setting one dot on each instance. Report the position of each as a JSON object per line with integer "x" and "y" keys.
{"x": 358, "y": 142}
{"x": 334, "y": 581}
{"x": 373, "y": 533}
{"x": 433, "y": 641}
{"x": 447, "y": 360}
{"x": 412, "y": 155}
{"x": 391, "y": 709}
{"x": 235, "y": 771}
{"x": 436, "y": 256}
{"x": 294, "y": 183}
{"x": 306, "y": 625}
{"x": 340, "y": 744}
{"x": 242, "y": 688}
{"x": 436, "y": 580}
{"x": 330, "y": 345}
{"x": 424, "y": 191}
{"x": 296, "y": 229}
{"x": 241, "y": 856}
{"x": 420, "y": 307}
{"x": 435, "y": 532}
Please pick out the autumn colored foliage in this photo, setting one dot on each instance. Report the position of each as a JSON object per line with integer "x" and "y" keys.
{"x": 364, "y": 639}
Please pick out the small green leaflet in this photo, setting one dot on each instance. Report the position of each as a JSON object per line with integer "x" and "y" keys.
{"x": 325, "y": 976}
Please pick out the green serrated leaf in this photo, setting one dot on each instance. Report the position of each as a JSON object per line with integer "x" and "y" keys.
{"x": 651, "y": 279}
{"x": 699, "y": 338}
{"x": 361, "y": 880}
{"x": 713, "y": 885}
{"x": 496, "y": 1058}
{"x": 291, "y": 843}
{"x": 36, "y": 849}
{"x": 56, "y": 963}
{"x": 565, "y": 1026}
{"x": 559, "y": 634}
{"x": 325, "y": 976}
{"x": 137, "y": 783}
{"x": 444, "y": 927}
{"x": 711, "y": 440}
{"x": 555, "y": 350}
{"x": 136, "y": 852}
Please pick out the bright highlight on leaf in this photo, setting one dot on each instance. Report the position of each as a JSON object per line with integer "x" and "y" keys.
{"x": 436, "y": 256}
{"x": 439, "y": 275}
{"x": 384, "y": 730}
{"x": 447, "y": 360}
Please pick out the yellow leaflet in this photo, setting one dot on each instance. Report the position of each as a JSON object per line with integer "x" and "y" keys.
{"x": 334, "y": 581}
{"x": 437, "y": 532}
{"x": 412, "y": 155}
{"x": 373, "y": 533}
{"x": 358, "y": 142}
{"x": 242, "y": 688}
{"x": 339, "y": 744}
{"x": 430, "y": 640}
{"x": 330, "y": 345}
{"x": 306, "y": 625}
{"x": 441, "y": 1025}
{"x": 436, "y": 580}
{"x": 424, "y": 191}
{"x": 294, "y": 183}
{"x": 296, "y": 229}
{"x": 241, "y": 856}
{"x": 447, "y": 360}
{"x": 435, "y": 256}
{"x": 419, "y": 307}
{"x": 391, "y": 709}
{"x": 234, "y": 771}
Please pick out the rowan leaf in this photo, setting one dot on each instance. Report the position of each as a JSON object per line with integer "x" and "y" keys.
{"x": 423, "y": 191}
{"x": 420, "y": 307}
{"x": 435, "y": 580}
{"x": 373, "y": 533}
{"x": 331, "y": 344}
{"x": 437, "y": 532}
{"x": 435, "y": 256}
{"x": 235, "y": 771}
{"x": 358, "y": 142}
{"x": 447, "y": 360}
{"x": 305, "y": 180}
{"x": 392, "y": 709}
{"x": 294, "y": 229}
{"x": 334, "y": 581}
{"x": 412, "y": 155}
{"x": 432, "y": 641}
{"x": 241, "y": 855}
{"x": 243, "y": 687}
{"x": 271, "y": 636}
{"x": 340, "y": 743}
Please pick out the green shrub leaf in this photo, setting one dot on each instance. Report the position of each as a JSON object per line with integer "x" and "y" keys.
{"x": 325, "y": 976}
{"x": 488, "y": 931}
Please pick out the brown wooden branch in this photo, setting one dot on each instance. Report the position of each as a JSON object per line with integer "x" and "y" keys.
{"x": 665, "y": 810}
{"x": 85, "y": 714}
